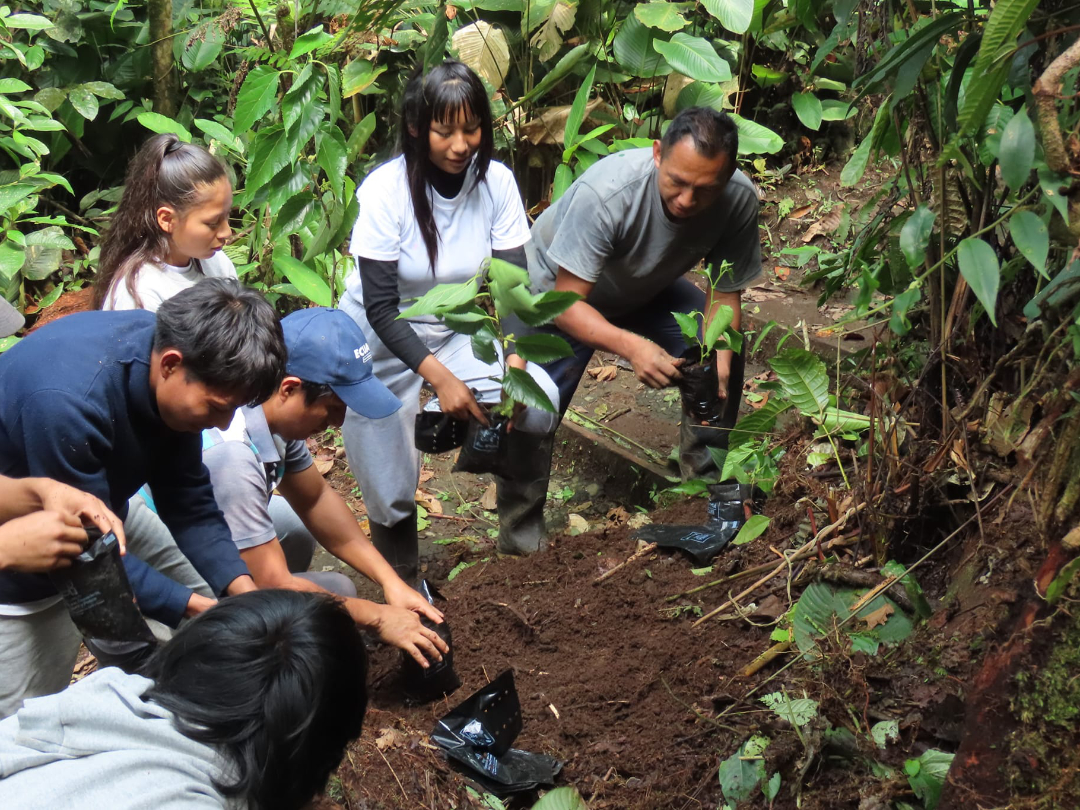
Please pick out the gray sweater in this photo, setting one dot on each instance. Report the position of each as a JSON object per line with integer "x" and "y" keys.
{"x": 99, "y": 744}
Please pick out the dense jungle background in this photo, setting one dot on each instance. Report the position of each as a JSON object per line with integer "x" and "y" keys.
{"x": 919, "y": 442}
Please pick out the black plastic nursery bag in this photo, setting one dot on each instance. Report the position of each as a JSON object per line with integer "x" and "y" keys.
{"x": 700, "y": 542}
{"x": 438, "y": 432}
{"x": 699, "y": 386}
{"x": 98, "y": 595}
{"x": 486, "y": 448}
{"x": 477, "y": 735}
{"x": 439, "y": 679}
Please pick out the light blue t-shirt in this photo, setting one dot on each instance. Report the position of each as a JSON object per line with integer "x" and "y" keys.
{"x": 610, "y": 228}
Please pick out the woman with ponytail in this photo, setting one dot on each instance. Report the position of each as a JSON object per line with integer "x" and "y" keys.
{"x": 168, "y": 231}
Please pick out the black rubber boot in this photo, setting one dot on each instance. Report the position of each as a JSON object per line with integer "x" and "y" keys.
{"x": 521, "y": 498}
{"x": 399, "y": 545}
{"x": 726, "y": 515}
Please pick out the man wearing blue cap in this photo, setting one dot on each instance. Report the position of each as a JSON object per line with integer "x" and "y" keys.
{"x": 328, "y": 369}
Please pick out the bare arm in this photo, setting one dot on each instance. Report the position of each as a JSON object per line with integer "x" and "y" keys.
{"x": 334, "y": 526}
{"x": 21, "y": 496}
{"x": 652, "y": 365}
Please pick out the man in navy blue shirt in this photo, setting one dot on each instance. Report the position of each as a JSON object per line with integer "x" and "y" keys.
{"x": 107, "y": 402}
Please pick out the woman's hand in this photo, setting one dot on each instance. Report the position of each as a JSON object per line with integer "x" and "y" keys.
{"x": 71, "y": 502}
{"x": 41, "y": 541}
{"x": 455, "y": 398}
{"x": 398, "y": 594}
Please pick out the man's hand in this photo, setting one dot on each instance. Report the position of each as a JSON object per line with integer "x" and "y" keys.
{"x": 197, "y": 604}
{"x": 40, "y": 542}
{"x": 402, "y": 629}
{"x": 398, "y": 594}
{"x": 652, "y": 365}
{"x": 456, "y": 399}
{"x": 241, "y": 584}
{"x": 723, "y": 373}
{"x": 68, "y": 501}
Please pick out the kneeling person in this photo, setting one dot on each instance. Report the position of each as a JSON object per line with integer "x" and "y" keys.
{"x": 328, "y": 369}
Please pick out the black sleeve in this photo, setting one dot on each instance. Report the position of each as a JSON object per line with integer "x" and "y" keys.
{"x": 381, "y": 300}
{"x": 514, "y": 256}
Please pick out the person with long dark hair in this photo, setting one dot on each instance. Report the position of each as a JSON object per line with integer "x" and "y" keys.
{"x": 250, "y": 706}
{"x": 431, "y": 216}
{"x": 169, "y": 228}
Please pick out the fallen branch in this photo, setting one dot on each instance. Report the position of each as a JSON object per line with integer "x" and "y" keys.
{"x": 637, "y": 555}
{"x": 810, "y": 546}
{"x": 771, "y": 654}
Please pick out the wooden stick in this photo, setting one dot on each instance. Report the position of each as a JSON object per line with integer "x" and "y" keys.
{"x": 770, "y": 654}
{"x": 735, "y": 599}
{"x": 637, "y": 555}
{"x": 452, "y": 517}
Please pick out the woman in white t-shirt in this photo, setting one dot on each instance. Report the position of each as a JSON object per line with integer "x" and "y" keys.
{"x": 431, "y": 216}
{"x": 169, "y": 229}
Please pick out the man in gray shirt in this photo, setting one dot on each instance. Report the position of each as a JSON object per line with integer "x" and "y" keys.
{"x": 623, "y": 236}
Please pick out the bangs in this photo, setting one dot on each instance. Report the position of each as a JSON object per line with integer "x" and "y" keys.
{"x": 453, "y": 99}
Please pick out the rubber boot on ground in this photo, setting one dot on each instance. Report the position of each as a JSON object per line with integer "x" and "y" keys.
{"x": 400, "y": 546}
{"x": 521, "y": 498}
{"x": 723, "y": 520}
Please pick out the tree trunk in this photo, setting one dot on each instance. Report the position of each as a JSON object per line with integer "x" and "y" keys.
{"x": 166, "y": 83}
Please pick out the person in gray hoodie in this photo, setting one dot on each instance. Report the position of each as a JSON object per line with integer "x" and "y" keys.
{"x": 248, "y": 707}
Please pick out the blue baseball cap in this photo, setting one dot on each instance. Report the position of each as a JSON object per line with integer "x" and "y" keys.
{"x": 326, "y": 346}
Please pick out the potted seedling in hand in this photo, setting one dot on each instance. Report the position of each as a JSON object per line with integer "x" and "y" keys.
{"x": 481, "y": 308}
{"x": 699, "y": 382}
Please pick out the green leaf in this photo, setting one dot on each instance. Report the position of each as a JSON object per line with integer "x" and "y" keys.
{"x": 51, "y": 297}
{"x": 507, "y": 274}
{"x": 44, "y": 252}
{"x": 155, "y": 122}
{"x": 84, "y": 102}
{"x": 822, "y": 606}
{"x": 104, "y": 90}
{"x": 541, "y": 347}
{"x": 1017, "y": 150}
{"x": 28, "y": 22}
{"x": 694, "y": 57}
{"x": 483, "y": 342}
{"x": 457, "y": 569}
{"x": 467, "y": 320}
{"x": 12, "y": 257}
{"x": 220, "y": 133}
{"x": 296, "y": 103}
{"x": 979, "y": 267}
{"x": 855, "y": 167}
{"x": 306, "y": 43}
{"x": 359, "y": 77}
{"x": 741, "y": 773}
{"x": 633, "y": 49}
{"x": 755, "y": 139}
{"x": 10, "y": 195}
{"x": 564, "y": 177}
{"x": 548, "y": 306}
{"x": 833, "y": 110}
{"x": 884, "y": 731}
{"x": 1031, "y": 237}
{"x": 757, "y": 423}
{"x": 269, "y": 155}
{"x": 361, "y": 133}
{"x": 311, "y": 285}
{"x": 771, "y": 789}
{"x": 292, "y": 215}
{"x": 256, "y": 97}
{"x": 754, "y": 527}
{"x": 926, "y": 775}
{"x": 722, "y": 318}
{"x": 576, "y": 116}
{"x": 688, "y": 325}
{"x": 203, "y": 47}
{"x": 808, "y": 108}
{"x": 50, "y": 98}
{"x": 915, "y": 235}
{"x": 734, "y": 15}
{"x": 440, "y": 298}
{"x": 563, "y": 67}
{"x": 521, "y": 387}
{"x": 332, "y": 154}
{"x": 563, "y": 798}
{"x": 1060, "y": 583}
{"x": 1054, "y": 186}
{"x": 804, "y": 379}
{"x": 660, "y": 14}
{"x": 8, "y": 86}
{"x": 797, "y": 711}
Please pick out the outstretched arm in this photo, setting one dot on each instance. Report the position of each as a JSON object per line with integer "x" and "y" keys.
{"x": 652, "y": 365}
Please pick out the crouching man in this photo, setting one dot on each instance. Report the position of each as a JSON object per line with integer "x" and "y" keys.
{"x": 328, "y": 369}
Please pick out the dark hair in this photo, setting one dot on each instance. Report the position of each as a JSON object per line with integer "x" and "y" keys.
{"x": 165, "y": 171}
{"x": 714, "y": 132}
{"x": 277, "y": 680}
{"x": 448, "y": 90}
{"x": 313, "y": 391}
{"x": 229, "y": 336}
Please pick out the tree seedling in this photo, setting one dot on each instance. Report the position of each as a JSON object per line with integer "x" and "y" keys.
{"x": 477, "y": 308}
{"x": 717, "y": 335}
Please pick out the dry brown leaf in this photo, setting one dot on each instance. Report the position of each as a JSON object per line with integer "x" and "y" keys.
{"x": 827, "y": 224}
{"x": 576, "y": 525}
{"x": 390, "y": 738}
{"x": 782, "y": 272}
{"x": 638, "y": 520}
{"x": 799, "y": 213}
{"x": 324, "y": 465}
{"x": 603, "y": 373}
{"x": 487, "y": 500}
{"x": 618, "y": 515}
{"x": 762, "y": 294}
{"x": 429, "y": 502}
{"x": 426, "y": 475}
{"x": 878, "y": 617}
